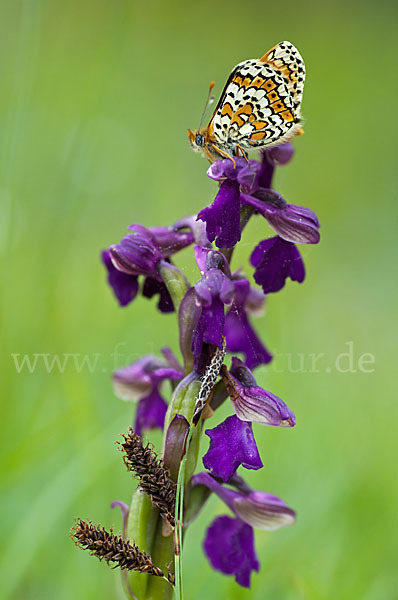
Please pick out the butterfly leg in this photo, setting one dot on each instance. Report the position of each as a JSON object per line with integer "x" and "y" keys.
{"x": 239, "y": 148}
{"x": 222, "y": 153}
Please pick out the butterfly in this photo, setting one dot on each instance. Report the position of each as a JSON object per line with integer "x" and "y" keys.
{"x": 258, "y": 108}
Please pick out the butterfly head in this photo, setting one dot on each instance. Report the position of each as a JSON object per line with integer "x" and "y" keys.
{"x": 196, "y": 139}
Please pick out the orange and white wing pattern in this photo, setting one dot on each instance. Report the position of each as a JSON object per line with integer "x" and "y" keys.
{"x": 260, "y": 104}
{"x": 286, "y": 58}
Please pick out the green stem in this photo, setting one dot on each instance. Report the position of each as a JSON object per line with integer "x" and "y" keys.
{"x": 141, "y": 529}
{"x": 162, "y": 555}
{"x": 179, "y": 518}
{"x": 175, "y": 281}
{"x": 208, "y": 382}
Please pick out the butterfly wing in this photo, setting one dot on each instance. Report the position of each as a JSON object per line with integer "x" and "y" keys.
{"x": 260, "y": 104}
{"x": 285, "y": 58}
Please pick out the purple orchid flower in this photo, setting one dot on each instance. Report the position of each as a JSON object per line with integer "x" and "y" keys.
{"x": 137, "y": 253}
{"x": 275, "y": 260}
{"x": 229, "y": 546}
{"x": 197, "y": 229}
{"x": 232, "y": 444}
{"x": 170, "y": 240}
{"x": 239, "y": 333}
{"x": 152, "y": 287}
{"x": 234, "y": 538}
{"x": 278, "y": 156}
{"x": 296, "y": 224}
{"x": 140, "y": 253}
{"x": 252, "y": 403}
{"x": 249, "y": 183}
{"x": 223, "y": 216}
{"x": 140, "y": 382}
{"x": 213, "y": 291}
{"x": 256, "y": 508}
{"x": 125, "y": 287}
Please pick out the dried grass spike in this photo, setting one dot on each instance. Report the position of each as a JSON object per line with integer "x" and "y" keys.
{"x": 113, "y": 549}
{"x": 153, "y": 476}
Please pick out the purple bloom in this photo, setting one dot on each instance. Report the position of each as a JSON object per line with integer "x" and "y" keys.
{"x": 229, "y": 543}
{"x": 252, "y": 403}
{"x": 140, "y": 253}
{"x": 137, "y": 253}
{"x": 138, "y": 379}
{"x": 248, "y": 173}
{"x": 279, "y": 155}
{"x": 263, "y": 510}
{"x": 141, "y": 381}
{"x": 254, "y": 301}
{"x": 231, "y": 444}
{"x": 214, "y": 283}
{"x": 207, "y": 258}
{"x": 125, "y": 287}
{"x": 151, "y": 412}
{"x": 152, "y": 287}
{"x": 256, "y": 508}
{"x": 275, "y": 260}
{"x": 263, "y": 171}
{"x": 296, "y": 224}
{"x": 170, "y": 240}
{"x": 293, "y": 223}
{"x": 229, "y": 546}
{"x": 213, "y": 291}
{"x": 171, "y": 359}
{"x": 239, "y": 333}
{"x": 223, "y": 216}
{"x": 223, "y": 169}
{"x": 209, "y": 328}
{"x": 197, "y": 228}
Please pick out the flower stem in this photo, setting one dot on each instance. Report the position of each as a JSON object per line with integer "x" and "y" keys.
{"x": 208, "y": 382}
{"x": 179, "y": 517}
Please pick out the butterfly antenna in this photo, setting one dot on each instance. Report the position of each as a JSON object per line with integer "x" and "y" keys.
{"x": 209, "y": 101}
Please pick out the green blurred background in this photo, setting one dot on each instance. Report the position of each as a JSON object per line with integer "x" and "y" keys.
{"x": 95, "y": 100}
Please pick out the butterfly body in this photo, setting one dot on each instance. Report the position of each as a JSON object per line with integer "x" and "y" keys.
{"x": 259, "y": 106}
